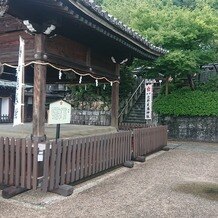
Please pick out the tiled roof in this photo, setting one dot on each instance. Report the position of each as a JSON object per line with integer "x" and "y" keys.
{"x": 111, "y": 19}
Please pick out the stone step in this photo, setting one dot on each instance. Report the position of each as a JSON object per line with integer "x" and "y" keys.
{"x": 135, "y": 118}
{"x": 140, "y": 103}
{"x": 138, "y": 107}
{"x": 136, "y": 114}
{"x": 135, "y": 121}
{"x": 137, "y": 110}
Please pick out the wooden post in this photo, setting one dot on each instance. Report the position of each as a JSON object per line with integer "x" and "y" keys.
{"x": 58, "y": 129}
{"x": 115, "y": 100}
{"x": 39, "y": 92}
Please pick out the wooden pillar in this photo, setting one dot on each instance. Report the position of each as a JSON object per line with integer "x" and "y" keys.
{"x": 11, "y": 112}
{"x": 39, "y": 92}
{"x": 115, "y": 100}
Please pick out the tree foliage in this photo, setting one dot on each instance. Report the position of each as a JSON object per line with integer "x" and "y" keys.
{"x": 83, "y": 96}
{"x": 187, "y": 28}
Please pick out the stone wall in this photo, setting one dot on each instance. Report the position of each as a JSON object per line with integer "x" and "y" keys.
{"x": 192, "y": 128}
{"x": 91, "y": 117}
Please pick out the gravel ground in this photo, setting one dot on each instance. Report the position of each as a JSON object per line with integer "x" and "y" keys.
{"x": 67, "y": 130}
{"x": 182, "y": 182}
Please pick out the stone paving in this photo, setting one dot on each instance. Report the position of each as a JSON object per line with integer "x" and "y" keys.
{"x": 182, "y": 182}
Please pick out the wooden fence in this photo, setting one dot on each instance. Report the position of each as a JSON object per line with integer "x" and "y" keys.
{"x": 72, "y": 160}
{"x": 18, "y": 163}
{"x": 148, "y": 140}
{"x": 27, "y": 164}
{"x": 5, "y": 119}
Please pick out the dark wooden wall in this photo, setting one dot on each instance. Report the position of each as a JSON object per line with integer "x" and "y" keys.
{"x": 9, "y": 47}
{"x": 101, "y": 61}
{"x": 69, "y": 50}
{"x": 59, "y": 50}
{"x": 10, "y": 29}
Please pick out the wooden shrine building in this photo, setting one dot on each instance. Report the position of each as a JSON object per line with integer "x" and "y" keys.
{"x": 67, "y": 41}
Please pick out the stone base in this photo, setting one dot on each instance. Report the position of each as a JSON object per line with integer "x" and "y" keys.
{"x": 38, "y": 138}
{"x": 165, "y": 148}
{"x": 128, "y": 164}
{"x": 140, "y": 159}
{"x": 64, "y": 190}
{"x": 12, "y": 191}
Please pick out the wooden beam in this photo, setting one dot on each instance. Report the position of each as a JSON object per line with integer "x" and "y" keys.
{"x": 64, "y": 62}
{"x": 39, "y": 92}
{"x": 88, "y": 57}
{"x": 115, "y": 100}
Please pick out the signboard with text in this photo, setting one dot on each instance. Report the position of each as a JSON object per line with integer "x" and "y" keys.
{"x": 19, "y": 87}
{"x": 59, "y": 113}
{"x": 148, "y": 101}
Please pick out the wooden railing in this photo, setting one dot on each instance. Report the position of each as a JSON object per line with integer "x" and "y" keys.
{"x": 149, "y": 140}
{"x": 49, "y": 165}
{"x": 18, "y": 163}
{"x": 5, "y": 119}
{"x": 131, "y": 101}
{"x": 72, "y": 160}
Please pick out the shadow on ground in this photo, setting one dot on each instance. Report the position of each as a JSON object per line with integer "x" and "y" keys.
{"x": 201, "y": 189}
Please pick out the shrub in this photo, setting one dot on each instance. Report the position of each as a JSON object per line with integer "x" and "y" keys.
{"x": 187, "y": 103}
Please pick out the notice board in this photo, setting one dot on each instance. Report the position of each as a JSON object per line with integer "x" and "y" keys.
{"x": 59, "y": 112}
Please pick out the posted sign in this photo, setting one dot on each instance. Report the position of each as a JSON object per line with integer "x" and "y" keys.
{"x": 59, "y": 113}
{"x": 148, "y": 101}
{"x": 19, "y": 86}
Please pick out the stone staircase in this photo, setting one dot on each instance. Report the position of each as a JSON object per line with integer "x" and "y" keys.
{"x": 136, "y": 113}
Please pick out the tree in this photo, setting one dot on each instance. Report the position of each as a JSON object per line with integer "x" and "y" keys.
{"x": 190, "y": 35}
{"x": 188, "y": 28}
{"x": 124, "y": 10}
{"x": 99, "y": 2}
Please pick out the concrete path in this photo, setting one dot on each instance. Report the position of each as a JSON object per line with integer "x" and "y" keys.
{"x": 182, "y": 182}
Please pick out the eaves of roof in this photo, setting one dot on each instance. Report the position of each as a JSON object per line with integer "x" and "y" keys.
{"x": 91, "y": 9}
{"x": 92, "y": 16}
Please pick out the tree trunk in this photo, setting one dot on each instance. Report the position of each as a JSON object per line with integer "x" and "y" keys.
{"x": 167, "y": 86}
{"x": 191, "y": 82}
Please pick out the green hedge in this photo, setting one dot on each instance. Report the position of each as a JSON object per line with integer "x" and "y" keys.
{"x": 187, "y": 103}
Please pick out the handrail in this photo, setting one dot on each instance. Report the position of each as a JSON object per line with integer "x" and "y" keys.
{"x": 132, "y": 97}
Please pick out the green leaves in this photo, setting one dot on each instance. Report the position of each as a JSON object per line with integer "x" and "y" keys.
{"x": 188, "y": 103}
{"x": 176, "y": 63}
{"x": 188, "y": 28}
